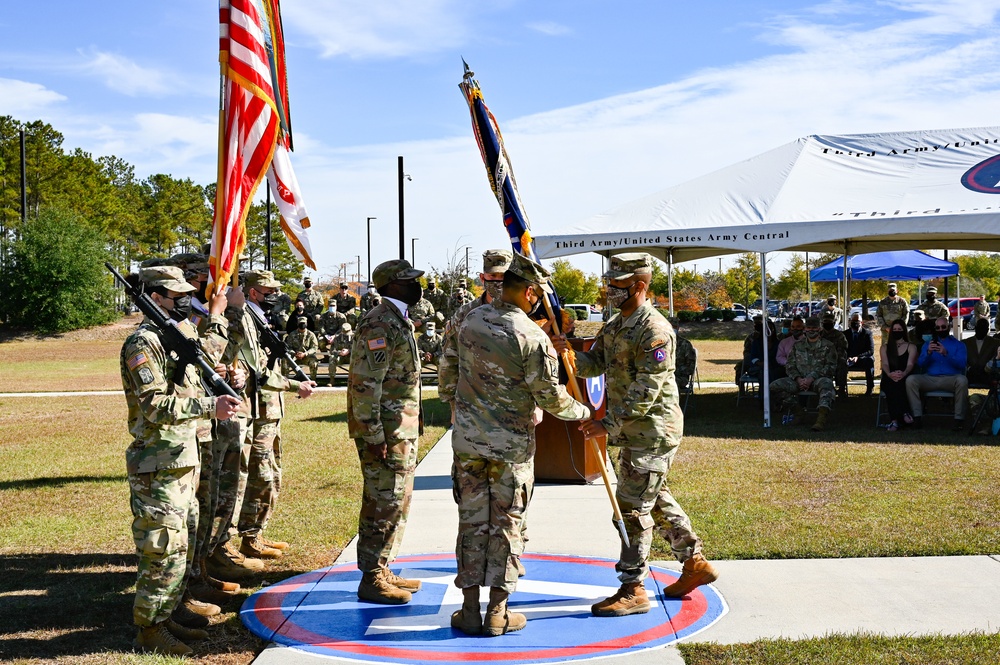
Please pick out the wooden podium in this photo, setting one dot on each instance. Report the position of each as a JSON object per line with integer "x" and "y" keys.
{"x": 562, "y": 454}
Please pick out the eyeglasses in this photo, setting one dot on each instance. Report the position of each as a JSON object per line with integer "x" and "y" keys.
{"x": 940, "y": 328}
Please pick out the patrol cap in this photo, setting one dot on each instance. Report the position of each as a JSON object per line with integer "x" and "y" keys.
{"x": 343, "y": 285}
{"x": 262, "y": 278}
{"x": 192, "y": 262}
{"x": 831, "y": 297}
{"x": 307, "y": 281}
{"x": 496, "y": 261}
{"x": 918, "y": 314}
{"x": 345, "y": 327}
{"x": 530, "y": 271}
{"x": 892, "y": 285}
{"x": 812, "y": 322}
{"x": 623, "y": 266}
{"x": 390, "y": 271}
{"x": 166, "y": 277}
{"x": 302, "y": 319}
{"x": 156, "y": 261}
{"x": 932, "y": 289}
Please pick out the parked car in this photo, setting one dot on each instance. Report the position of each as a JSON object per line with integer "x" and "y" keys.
{"x": 590, "y": 312}
{"x": 968, "y": 304}
{"x": 872, "y": 308}
{"x": 969, "y": 320}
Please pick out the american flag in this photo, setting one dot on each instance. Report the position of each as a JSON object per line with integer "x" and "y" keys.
{"x": 249, "y": 124}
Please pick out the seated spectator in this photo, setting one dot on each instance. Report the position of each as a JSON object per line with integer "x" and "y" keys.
{"x": 811, "y": 365}
{"x": 899, "y": 357}
{"x": 753, "y": 350}
{"x": 686, "y": 359}
{"x": 861, "y": 351}
{"x": 980, "y": 350}
{"x": 943, "y": 362}
{"x": 836, "y": 337}
{"x": 303, "y": 343}
{"x": 430, "y": 344}
{"x": 297, "y": 313}
{"x": 795, "y": 330}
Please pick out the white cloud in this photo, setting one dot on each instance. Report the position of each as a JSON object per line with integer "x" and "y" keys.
{"x": 380, "y": 28}
{"x": 125, "y": 76}
{"x": 24, "y": 98}
{"x": 550, "y": 28}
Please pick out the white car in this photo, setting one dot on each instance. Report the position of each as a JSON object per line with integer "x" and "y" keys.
{"x": 593, "y": 314}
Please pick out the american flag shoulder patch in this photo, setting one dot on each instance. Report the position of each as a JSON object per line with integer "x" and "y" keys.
{"x": 136, "y": 360}
{"x": 376, "y": 344}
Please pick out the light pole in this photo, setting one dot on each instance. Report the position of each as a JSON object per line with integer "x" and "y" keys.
{"x": 413, "y": 251}
{"x": 359, "y": 275}
{"x": 402, "y": 235}
{"x": 370, "y": 249}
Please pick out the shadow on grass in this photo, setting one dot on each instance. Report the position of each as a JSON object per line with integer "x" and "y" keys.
{"x": 852, "y": 420}
{"x": 65, "y": 605}
{"x": 436, "y": 413}
{"x": 57, "y": 481}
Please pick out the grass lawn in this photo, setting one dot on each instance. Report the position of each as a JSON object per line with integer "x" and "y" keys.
{"x": 68, "y": 567}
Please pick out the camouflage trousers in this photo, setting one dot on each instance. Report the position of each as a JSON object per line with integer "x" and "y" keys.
{"x": 311, "y": 363}
{"x": 385, "y": 502}
{"x": 207, "y": 494}
{"x": 785, "y": 392}
{"x": 234, "y": 434}
{"x": 164, "y": 507}
{"x": 646, "y": 502}
{"x": 492, "y": 499}
{"x": 263, "y": 477}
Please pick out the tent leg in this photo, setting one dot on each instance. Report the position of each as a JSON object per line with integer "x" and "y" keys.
{"x": 670, "y": 281}
{"x": 766, "y": 383}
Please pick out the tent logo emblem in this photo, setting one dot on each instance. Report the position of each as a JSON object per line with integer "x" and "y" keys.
{"x": 984, "y": 177}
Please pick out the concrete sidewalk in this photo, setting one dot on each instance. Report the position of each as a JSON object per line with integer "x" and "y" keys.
{"x": 767, "y": 599}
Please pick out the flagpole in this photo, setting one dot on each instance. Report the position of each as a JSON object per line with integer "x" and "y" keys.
{"x": 267, "y": 208}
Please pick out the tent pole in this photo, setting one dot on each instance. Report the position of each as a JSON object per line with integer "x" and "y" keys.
{"x": 670, "y": 280}
{"x": 809, "y": 287}
{"x": 845, "y": 302}
{"x": 765, "y": 319}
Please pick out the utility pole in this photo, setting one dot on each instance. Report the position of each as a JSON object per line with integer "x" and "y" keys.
{"x": 370, "y": 248}
{"x": 400, "y": 174}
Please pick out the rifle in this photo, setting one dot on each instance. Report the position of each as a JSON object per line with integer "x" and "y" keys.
{"x": 187, "y": 349}
{"x": 275, "y": 347}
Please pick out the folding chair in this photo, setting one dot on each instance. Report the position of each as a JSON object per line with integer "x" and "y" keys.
{"x": 748, "y": 386}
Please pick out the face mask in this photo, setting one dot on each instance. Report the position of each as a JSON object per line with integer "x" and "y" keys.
{"x": 931, "y": 298}
{"x": 855, "y": 325}
{"x": 812, "y": 335}
{"x": 830, "y": 301}
{"x": 494, "y": 288}
{"x": 182, "y": 308}
{"x": 371, "y": 290}
{"x": 828, "y": 325}
{"x": 270, "y": 300}
{"x": 897, "y": 334}
{"x": 535, "y": 308}
{"x": 784, "y": 331}
{"x": 927, "y": 337}
{"x": 411, "y": 293}
{"x": 981, "y": 334}
{"x": 331, "y": 309}
{"x": 617, "y": 296}
{"x": 941, "y": 334}
{"x": 797, "y": 333}
{"x": 892, "y": 294}
{"x": 302, "y": 326}
{"x": 430, "y": 332}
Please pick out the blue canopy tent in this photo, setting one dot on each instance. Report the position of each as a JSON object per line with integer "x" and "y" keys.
{"x": 900, "y": 265}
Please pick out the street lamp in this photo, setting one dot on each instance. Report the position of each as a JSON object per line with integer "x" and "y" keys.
{"x": 413, "y": 251}
{"x": 370, "y": 248}
{"x": 400, "y": 175}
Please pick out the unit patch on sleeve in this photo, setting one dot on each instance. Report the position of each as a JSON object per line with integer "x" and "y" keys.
{"x": 660, "y": 354}
{"x": 145, "y": 375}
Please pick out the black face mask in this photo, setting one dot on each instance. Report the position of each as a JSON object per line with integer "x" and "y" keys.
{"x": 828, "y": 325}
{"x": 898, "y": 334}
{"x": 411, "y": 293}
{"x": 797, "y": 333}
{"x": 270, "y": 300}
{"x": 831, "y": 302}
{"x": 182, "y": 308}
{"x": 855, "y": 325}
{"x": 535, "y": 309}
{"x": 942, "y": 334}
{"x": 302, "y": 326}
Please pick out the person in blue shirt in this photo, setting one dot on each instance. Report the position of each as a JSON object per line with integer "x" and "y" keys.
{"x": 942, "y": 361}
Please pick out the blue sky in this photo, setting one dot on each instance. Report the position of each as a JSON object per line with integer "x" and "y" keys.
{"x": 600, "y": 103}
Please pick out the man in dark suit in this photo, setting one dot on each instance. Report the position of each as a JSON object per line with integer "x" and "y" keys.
{"x": 980, "y": 350}
{"x": 861, "y": 351}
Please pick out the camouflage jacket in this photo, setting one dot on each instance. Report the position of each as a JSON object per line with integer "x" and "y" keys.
{"x": 839, "y": 342}
{"x": 368, "y": 301}
{"x": 981, "y": 310}
{"x": 812, "y": 359}
{"x": 438, "y": 298}
{"x": 345, "y": 302}
{"x": 164, "y": 410}
{"x": 330, "y": 322}
{"x": 892, "y": 309}
{"x": 687, "y": 358}
{"x": 637, "y": 357}
{"x": 448, "y": 362}
{"x": 313, "y": 301}
{"x": 304, "y": 341}
{"x": 383, "y": 389}
{"x": 506, "y": 367}
{"x": 340, "y": 342}
{"x": 421, "y": 312}
{"x": 431, "y": 345}
{"x": 934, "y": 310}
{"x": 459, "y": 298}
{"x": 264, "y": 386}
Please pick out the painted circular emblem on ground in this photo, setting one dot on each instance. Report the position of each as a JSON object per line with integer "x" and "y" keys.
{"x": 984, "y": 177}
{"x": 319, "y": 612}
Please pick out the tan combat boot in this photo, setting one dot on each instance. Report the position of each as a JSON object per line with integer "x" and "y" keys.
{"x": 395, "y": 580}
{"x": 499, "y": 618}
{"x": 375, "y": 588}
{"x": 184, "y": 633}
{"x": 254, "y": 547}
{"x": 202, "y": 589}
{"x": 469, "y": 619}
{"x": 696, "y": 572}
{"x": 187, "y": 618}
{"x": 198, "y": 607}
{"x": 630, "y": 598}
{"x": 226, "y": 563}
{"x": 160, "y": 640}
{"x": 229, "y": 588}
{"x": 274, "y": 544}
{"x": 820, "y": 423}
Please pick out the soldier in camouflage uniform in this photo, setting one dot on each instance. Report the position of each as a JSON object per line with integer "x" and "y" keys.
{"x": 383, "y": 417}
{"x": 437, "y": 297}
{"x": 891, "y": 308}
{"x": 303, "y": 343}
{"x": 981, "y": 311}
{"x": 459, "y": 298}
{"x": 312, "y": 299}
{"x": 345, "y": 301}
{"x": 263, "y": 463}
{"x": 340, "y": 349}
{"x": 811, "y": 365}
{"x": 420, "y": 313}
{"x": 164, "y": 411}
{"x": 495, "y": 262}
{"x": 839, "y": 342}
{"x": 830, "y": 307}
{"x": 686, "y": 360}
{"x": 636, "y": 353}
{"x": 933, "y": 308}
{"x": 430, "y": 344}
{"x": 279, "y": 313}
{"x": 508, "y": 371}
{"x": 329, "y": 326}
{"x": 370, "y": 299}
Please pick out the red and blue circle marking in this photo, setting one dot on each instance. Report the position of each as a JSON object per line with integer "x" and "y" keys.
{"x": 319, "y": 613}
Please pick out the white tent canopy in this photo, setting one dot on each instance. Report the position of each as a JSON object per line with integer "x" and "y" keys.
{"x": 846, "y": 194}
